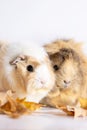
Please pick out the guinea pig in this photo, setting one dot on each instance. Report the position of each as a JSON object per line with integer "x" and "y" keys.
{"x": 70, "y": 68}
{"x": 26, "y": 70}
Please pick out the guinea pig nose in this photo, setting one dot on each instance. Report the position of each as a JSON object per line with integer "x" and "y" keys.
{"x": 66, "y": 82}
{"x": 42, "y": 82}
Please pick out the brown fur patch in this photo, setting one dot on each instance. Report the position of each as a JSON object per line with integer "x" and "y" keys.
{"x": 64, "y": 54}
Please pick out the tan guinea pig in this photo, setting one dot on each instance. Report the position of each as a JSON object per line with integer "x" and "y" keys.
{"x": 70, "y": 68}
{"x": 26, "y": 70}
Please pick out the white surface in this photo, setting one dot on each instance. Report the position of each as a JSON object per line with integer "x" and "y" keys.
{"x": 42, "y": 21}
{"x": 45, "y": 119}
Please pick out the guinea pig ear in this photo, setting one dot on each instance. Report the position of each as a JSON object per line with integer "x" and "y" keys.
{"x": 18, "y": 59}
{"x": 51, "y": 48}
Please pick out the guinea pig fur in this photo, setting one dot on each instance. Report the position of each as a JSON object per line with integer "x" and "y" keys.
{"x": 26, "y": 70}
{"x": 70, "y": 68}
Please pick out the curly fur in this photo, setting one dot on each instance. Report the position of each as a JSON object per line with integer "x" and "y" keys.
{"x": 72, "y": 67}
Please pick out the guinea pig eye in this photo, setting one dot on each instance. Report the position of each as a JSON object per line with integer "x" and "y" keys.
{"x": 30, "y": 68}
{"x": 56, "y": 67}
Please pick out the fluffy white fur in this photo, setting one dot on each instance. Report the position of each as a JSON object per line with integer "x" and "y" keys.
{"x": 38, "y": 83}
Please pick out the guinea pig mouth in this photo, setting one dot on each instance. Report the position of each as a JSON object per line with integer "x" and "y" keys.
{"x": 66, "y": 85}
{"x": 40, "y": 83}
{"x": 63, "y": 87}
{"x": 43, "y": 84}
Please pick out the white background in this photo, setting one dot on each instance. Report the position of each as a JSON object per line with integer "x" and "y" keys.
{"x": 42, "y": 21}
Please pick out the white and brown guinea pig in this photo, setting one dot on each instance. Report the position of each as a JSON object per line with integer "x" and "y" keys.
{"x": 26, "y": 70}
{"x": 70, "y": 68}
